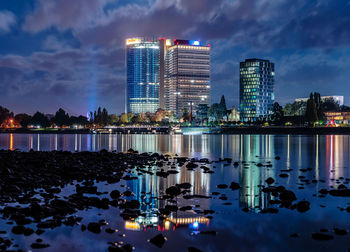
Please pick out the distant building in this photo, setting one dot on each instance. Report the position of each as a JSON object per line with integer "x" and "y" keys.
{"x": 338, "y": 117}
{"x": 256, "y": 89}
{"x": 339, "y": 99}
{"x": 234, "y": 115}
{"x": 187, "y": 75}
{"x": 142, "y": 75}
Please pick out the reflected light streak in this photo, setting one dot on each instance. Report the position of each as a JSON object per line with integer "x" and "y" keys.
{"x": 11, "y": 141}
{"x": 132, "y": 225}
{"x": 38, "y": 145}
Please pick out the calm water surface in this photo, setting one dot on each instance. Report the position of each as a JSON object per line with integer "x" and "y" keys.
{"x": 328, "y": 156}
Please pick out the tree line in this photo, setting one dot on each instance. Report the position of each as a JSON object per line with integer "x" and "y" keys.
{"x": 310, "y": 112}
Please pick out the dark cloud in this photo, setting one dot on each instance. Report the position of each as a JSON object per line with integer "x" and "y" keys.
{"x": 86, "y": 67}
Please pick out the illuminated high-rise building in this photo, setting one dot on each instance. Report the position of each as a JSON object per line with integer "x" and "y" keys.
{"x": 187, "y": 75}
{"x": 142, "y": 75}
{"x": 256, "y": 89}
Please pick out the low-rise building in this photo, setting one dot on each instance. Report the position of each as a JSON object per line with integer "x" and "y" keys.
{"x": 338, "y": 117}
{"x": 339, "y": 99}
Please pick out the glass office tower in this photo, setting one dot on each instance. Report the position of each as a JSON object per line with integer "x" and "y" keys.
{"x": 187, "y": 75}
{"x": 142, "y": 75}
{"x": 256, "y": 89}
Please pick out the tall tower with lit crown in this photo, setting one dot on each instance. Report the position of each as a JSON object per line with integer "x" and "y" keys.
{"x": 142, "y": 75}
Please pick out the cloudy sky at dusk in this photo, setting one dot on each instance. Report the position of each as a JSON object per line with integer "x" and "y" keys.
{"x": 70, "y": 53}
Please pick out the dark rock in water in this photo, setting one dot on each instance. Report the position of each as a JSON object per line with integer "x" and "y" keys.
{"x": 222, "y": 186}
{"x": 191, "y": 165}
{"x": 39, "y": 245}
{"x": 86, "y": 189}
{"x": 269, "y": 180}
{"x": 162, "y": 174}
{"x": 295, "y": 235}
{"x": 341, "y": 186}
{"x": 158, "y": 240}
{"x": 173, "y": 191}
{"x": 184, "y": 185}
{"x": 115, "y": 194}
{"x": 133, "y": 204}
{"x": 338, "y": 231}
{"x": 28, "y": 231}
{"x": 269, "y": 210}
{"x": 223, "y": 198}
{"x": 245, "y": 209}
{"x": 234, "y": 186}
{"x": 323, "y": 191}
{"x": 303, "y": 206}
{"x": 193, "y": 249}
{"x": 340, "y": 193}
{"x": 128, "y": 193}
{"x": 321, "y": 236}
{"x": 208, "y": 232}
{"x": 39, "y": 231}
{"x": 171, "y": 208}
{"x": 115, "y": 249}
{"x": 235, "y": 164}
{"x": 215, "y": 193}
{"x": 18, "y": 230}
{"x": 277, "y": 158}
{"x": 275, "y": 202}
{"x": 83, "y": 228}
{"x": 273, "y": 189}
{"x": 94, "y": 227}
{"x": 110, "y": 230}
{"x": 127, "y": 248}
{"x": 284, "y": 175}
{"x": 287, "y": 196}
{"x": 185, "y": 208}
{"x": 164, "y": 211}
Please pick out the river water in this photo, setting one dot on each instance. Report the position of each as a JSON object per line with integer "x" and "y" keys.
{"x": 323, "y": 160}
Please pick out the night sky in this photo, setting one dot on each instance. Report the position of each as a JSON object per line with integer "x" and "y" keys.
{"x": 70, "y": 53}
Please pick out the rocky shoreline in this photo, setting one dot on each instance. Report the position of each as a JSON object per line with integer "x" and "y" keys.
{"x": 31, "y": 184}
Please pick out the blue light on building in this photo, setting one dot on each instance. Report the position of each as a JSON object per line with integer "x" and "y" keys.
{"x": 256, "y": 89}
{"x": 142, "y": 80}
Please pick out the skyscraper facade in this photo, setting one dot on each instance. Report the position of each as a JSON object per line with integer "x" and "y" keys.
{"x": 187, "y": 76}
{"x": 142, "y": 75}
{"x": 256, "y": 89}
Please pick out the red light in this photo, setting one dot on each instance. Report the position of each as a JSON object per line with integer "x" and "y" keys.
{"x": 208, "y": 45}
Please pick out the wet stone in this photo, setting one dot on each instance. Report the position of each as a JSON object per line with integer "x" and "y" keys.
{"x": 234, "y": 186}
{"x": 115, "y": 194}
{"x": 269, "y": 180}
{"x": 158, "y": 240}
{"x": 303, "y": 206}
{"x": 339, "y": 231}
{"x": 321, "y": 236}
{"x": 94, "y": 227}
{"x": 193, "y": 249}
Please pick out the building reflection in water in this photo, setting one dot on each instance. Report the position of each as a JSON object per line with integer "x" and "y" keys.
{"x": 326, "y": 155}
{"x": 148, "y": 189}
{"x": 251, "y": 176}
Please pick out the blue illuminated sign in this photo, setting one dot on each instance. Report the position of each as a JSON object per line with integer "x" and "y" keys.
{"x": 195, "y": 42}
